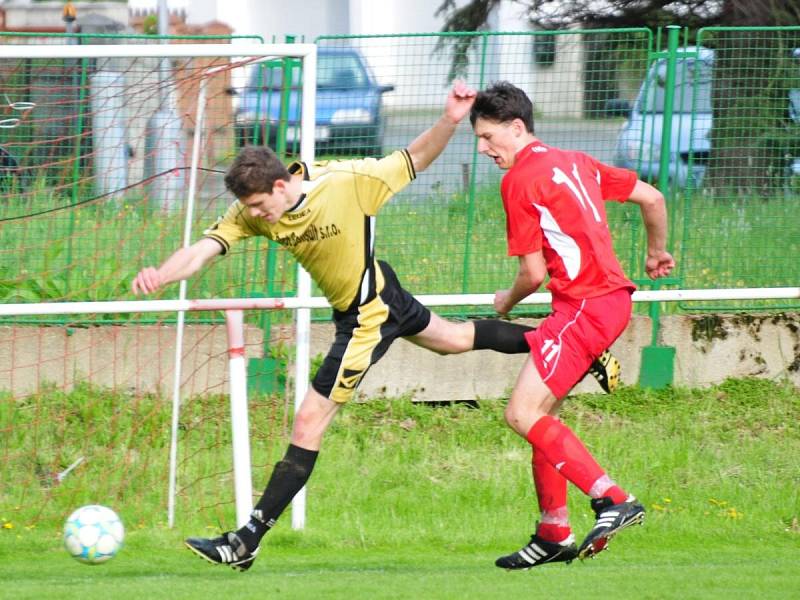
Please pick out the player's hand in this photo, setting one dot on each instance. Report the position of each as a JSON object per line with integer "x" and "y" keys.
{"x": 459, "y": 101}
{"x": 502, "y": 302}
{"x": 147, "y": 281}
{"x": 659, "y": 264}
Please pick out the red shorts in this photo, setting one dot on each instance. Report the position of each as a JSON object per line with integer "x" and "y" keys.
{"x": 564, "y": 345}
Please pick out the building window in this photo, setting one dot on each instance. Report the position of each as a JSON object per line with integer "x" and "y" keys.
{"x": 544, "y": 50}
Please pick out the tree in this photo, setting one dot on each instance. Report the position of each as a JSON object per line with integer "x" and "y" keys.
{"x": 590, "y": 14}
{"x": 602, "y": 14}
{"x": 747, "y": 101}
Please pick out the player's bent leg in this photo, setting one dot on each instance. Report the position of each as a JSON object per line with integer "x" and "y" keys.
{"x": 445, "y": 337}
{"x": 238, "y": 549}
{"x": 530, "y": 400}
{"x": 454, "y": 337}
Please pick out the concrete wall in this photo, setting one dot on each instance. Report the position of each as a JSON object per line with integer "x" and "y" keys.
{"x": 708, "y": 350}
{"x": 138, "y": 359}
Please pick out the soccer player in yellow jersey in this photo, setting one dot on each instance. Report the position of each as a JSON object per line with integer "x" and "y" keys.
{"x": 324, "y": 214}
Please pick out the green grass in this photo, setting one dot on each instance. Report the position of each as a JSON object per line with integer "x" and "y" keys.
{"x": 411, "y": 501}
{"x": 631, "y": 570}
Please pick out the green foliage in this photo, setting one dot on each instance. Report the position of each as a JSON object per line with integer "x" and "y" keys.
{"x": 150, "y": 24}
{"x": 92, "y": 252}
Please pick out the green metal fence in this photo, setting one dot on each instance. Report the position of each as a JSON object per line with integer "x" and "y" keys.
{"x": 740, "y": 223}
{"x": 711, "y": 116}
{"x": 453, "y": 209}
{"x": 643, "y": 100}
{"x": 64, "y": 236}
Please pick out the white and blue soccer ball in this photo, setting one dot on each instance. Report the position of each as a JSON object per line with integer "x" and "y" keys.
{"x": 93, "y": 534}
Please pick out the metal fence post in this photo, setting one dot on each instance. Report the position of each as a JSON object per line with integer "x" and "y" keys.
{"x": 658, "y": 362}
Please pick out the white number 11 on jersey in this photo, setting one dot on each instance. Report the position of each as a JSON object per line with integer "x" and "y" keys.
{"x": 578, "y": 190}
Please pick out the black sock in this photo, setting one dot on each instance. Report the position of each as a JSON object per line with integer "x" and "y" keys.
{"x": 502, "y": 336}
{"x": 288, "y": 478}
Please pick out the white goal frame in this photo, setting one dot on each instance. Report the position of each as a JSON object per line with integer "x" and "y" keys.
{"x": 260, "y": 52}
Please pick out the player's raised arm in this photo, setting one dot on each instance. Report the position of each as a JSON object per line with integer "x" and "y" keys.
{"x": 183, "y": 263}
{"x": 659, "y": 262}
{"x": 430, "y": 143}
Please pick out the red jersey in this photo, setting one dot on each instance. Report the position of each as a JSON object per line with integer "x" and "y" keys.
{"x": 554, "y": 202}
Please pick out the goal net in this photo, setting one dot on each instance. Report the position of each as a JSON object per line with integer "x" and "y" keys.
{"x": 111, "y": 157}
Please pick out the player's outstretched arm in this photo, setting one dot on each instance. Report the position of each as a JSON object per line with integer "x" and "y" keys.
{"x": 183, "y": 263}
{"x": 659, "y": 262}
{"x": 430, "y": 143}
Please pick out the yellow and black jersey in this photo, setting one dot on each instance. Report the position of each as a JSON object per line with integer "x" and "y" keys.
{"x": 331, "y": 230}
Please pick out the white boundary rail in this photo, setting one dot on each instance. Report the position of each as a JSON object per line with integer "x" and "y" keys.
{"x": 294, "y": 303}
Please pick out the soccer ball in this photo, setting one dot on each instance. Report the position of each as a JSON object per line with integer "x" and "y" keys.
{"x": 93, "y": 534}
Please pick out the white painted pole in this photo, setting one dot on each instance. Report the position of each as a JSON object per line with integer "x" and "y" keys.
{"x": 303, "y": 315}
{"x": 301, "y": 374}
{"x": 176, "y": 403}
{"x": 187, "y": 239}
{"x": 240, "y": 427}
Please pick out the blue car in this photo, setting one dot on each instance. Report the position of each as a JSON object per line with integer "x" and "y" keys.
{"x": 349, "y": 116}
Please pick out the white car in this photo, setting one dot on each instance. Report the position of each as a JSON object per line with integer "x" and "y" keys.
{"x": 638, "y": 144}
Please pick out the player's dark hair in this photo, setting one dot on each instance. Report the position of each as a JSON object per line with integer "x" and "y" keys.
{"x": 503, "y": 102}
{"x": 255, "y": 171}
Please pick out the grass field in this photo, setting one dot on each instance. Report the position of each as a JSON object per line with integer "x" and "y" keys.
{"x": 413, "y": 501}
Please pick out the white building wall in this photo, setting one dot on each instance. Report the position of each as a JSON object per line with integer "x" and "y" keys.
{"x": 31, "y": 15}
{"x": 274, "y": 19}
{"x": 411, "y": 64}
{"x": 393, "y": 16}
{"x": 557, "y": 89}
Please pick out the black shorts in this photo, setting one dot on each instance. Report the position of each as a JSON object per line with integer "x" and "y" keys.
{"x": 364, "y": 334}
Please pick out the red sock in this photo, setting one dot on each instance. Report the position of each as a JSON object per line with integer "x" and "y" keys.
{"x": 551, "y": 491}
{"x": 562, "y": 449}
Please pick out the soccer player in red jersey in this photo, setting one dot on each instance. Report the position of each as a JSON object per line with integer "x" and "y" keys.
{"x": 556, "y": 224}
